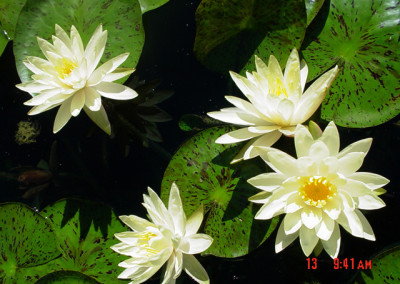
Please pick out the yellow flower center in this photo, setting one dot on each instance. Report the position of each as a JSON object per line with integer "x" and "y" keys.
{"x": 316, "y": 191}
{"x": 65, "y": 67}
{"x": 143, "y": 242}
{"x": 279, "y": 88}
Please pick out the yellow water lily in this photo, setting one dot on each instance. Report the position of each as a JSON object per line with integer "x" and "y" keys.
{"x": 318, "y": 191}
{"x": 69, "y": 78}
{"x": 277, "y": 103}
{"x": 168, "y": 238}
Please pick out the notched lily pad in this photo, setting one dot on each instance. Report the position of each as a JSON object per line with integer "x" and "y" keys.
{"x": 85, "y": 232}
{"x": 385, "y": 268}
{"x": 229, "y": 33}
{"x": 204, "y": 175}
{"x": 27, "y": 241}
{"x": 362, "y": 38}
{"x": 38, "y": 18}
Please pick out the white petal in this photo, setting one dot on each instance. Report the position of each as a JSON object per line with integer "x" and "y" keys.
{"x": 292, "y": 223}
{"x": 194, "y": 221}
{"x": 63, "y": 115}
{"x": 332, "y": 246}
{"x": 308, "y": 240}
{"x": 285, "y": 109}
{"x": 196, "y": 243}
{"x": 347, "y": 200}
{"x": 330, "y": 137}
{"x": 236, "y": 136}
{"x": 281, "y": 162}
{"x": 136, "y": 223}
{"x": 33, "y": 87}
{"x": 61, "y": 34}
{"x": 95, "y": 48}
{"x": 275, "y": 204}
{"x": 194, "y": 269}
{"x": 261, "y": 197}
{"x": 283, "y": 240}
{"x": 115, "y": 91}
{"x": 368, "y": 232}
{"x": 350, "y": 163}
{"x": 288, "y": 130}
{"x": 159, "y": 214}
{"x": 235, "y": 117}
{"x": 373, "y": 181}
{"x": 303, "y": 74}
{"x": 100, "y": 118}
{"x": 107, "y": 68}
{"x": 333, "y": 208}
{"x": 41, "y": 108}
{"x": 325, "y": 228}
{"x": 355, "y": 188}
{"x": 369, "y": 202}
{"x": 76, "y": 43}
{"x": 175, "y": 210}
{"x": 246, "y": 86}
{"x": 244, "y": 105}
{"x": 311, "y": 216}
{"x": 318, "y": 150}
{"x": 77, "y": 102}
{"x": 118, "y": 74}
{"x": 267, "y": 182}
{"x": 92, "y": 99}
{"x": 303, "y": 140}
{"x": 169, "y": 271}
{"x": 178, "y": 264}
{"x": 359, "y": 146}
{"x": 349, "y": 220}
{"x": 292, "y": 75}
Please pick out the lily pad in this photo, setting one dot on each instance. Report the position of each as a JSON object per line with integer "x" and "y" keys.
{"x": 27, "y": 241}
{"x": 313, "y": 7}
{"x": 3, "y": 40}
{"x": 148, "y": 5}
{"x": 9, "y": 12}
{"x": 70, "y": 277}
{"x": 229, "y": 33}
{"x": 362, "y": 38}
{"x": 38, "y": 18}
{"x": 204, "y": 175}
{"x": 85, "y": 232}
{"x": 385, "y": 268}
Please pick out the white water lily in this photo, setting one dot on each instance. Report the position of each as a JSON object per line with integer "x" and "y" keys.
{"x": 277, "y": 103}
{"x": 167, "y": 238}
{"x": 69, "y": 78}
{"x": 318, "y": 191}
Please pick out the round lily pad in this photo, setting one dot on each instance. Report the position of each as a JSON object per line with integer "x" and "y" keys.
{"x": 85, "y": 232}
{"x": 362, "y": 38}
{"x": 385, "y": 268}
{"x": 229, "y": 33}
{"x": 38, "y": 18}
{"x": 202, "y": 170}
{"x": 27, "y": 241}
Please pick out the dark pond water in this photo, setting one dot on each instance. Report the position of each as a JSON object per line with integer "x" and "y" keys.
{"x": 97, "y": 169}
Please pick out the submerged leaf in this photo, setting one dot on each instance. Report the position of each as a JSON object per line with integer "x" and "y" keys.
{"x": 362, "y": 37}
{"x": 202, "y": 170}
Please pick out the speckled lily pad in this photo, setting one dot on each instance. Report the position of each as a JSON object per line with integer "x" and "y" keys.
{"x": 85, "y": 232}
{"x": 38, "y": 18}
{"x": 27, "y": 241}
{"x": 229, "y": 33}
{"x": 362, "y": 38}
{"x": 204, "y": 175}
{"x": 385, "y": 268}
{"x": 9, "y": 12}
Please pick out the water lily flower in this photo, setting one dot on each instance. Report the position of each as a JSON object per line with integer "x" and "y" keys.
{"x": 168, "y": 238}
{"x": 277, "y": 103}
{"x": 69, "y": 78}
{"x": 318, "y": 191}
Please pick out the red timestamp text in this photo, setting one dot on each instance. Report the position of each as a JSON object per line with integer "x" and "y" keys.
{"x": 351, "y": 263}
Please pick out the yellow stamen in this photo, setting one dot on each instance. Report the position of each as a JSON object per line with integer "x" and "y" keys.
{"x": 316, "y": 191}
{"x": 143, "y": 242}
{"x": 65, "y": 67}
{"x": 279, "y": 88}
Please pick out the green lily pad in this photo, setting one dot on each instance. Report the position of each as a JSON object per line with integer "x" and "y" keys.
{"x": 67, "y": 277}
{"x": 204, "y": 175}
{"x": 148, "y": 5}
{"x": 85, "y": 232}
{"x": 38, "y": 18}
{"x": 229, "y": 33}
{"x": 9, "y": 12}
{"x": 385, "y": 268}
{"x": 3, "y": 40}
{"x": 313, "y": 7}
{"x": 27, "y": 241}
{"x": 362, "y": 38}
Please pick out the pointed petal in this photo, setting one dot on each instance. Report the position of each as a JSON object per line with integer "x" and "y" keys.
{"x": 369, "y": 202}
{"x": 77, "y": 102}
{"x": 136, "y": 223}
{"x": 292, "y": 222}
{"x": 332, "y": 246}
{"x": 368, "y": 232}
{"x": 194, "y": 222}
{"x": 308, "y": 240}
{"x": 175, "y": 210}
{"x": 359, "y": 146}
{"x": 325, "y": 228}
{"x": 196, "y": 243}
{"x": 349, "y": 220}
{"x": 63, "y": 115}
{"x": 311, "y": 217}
{"x": 118, "y": 74}
{"x": 115, "y": 91}
{"x": 303, "y": 140}
{"x": 292, "y": 75}
{"x": 330, "y": 137}
{"x": 371, "y": 180}
{"x": 283, "y": 163}
{"x": 236, "y": 136}
{"x": 107, "y": 68}
{"x": 283, "y": 240}
{"x": 194, "y": 269}
{"x": 350, "y": 163}
{"x": 267, "y": 182}
{"x": 92, "y": 99}
{"x": 100, "y": 118}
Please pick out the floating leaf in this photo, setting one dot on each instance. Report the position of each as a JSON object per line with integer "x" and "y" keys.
{"x": 362, "y": 37}
{"x": 229, "y": 32}
{"x": 3, "y": 40}
{"x": 70, "y": 277}
{"x": 38, "y": 18}
{"x": 313, "y": 7}
{"x": 385, "y": 268}
{"x": 9, "y": 12}
{"x": 148, "y": 5}
{"x": 27, "y": 240}
{"x": 204, "y": 175}
{"x": 85, "y": 232}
